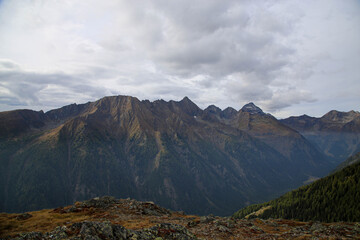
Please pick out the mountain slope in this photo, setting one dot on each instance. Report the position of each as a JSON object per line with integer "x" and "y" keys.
{"x": 304, "y": 157}
{"x": 348, "y": 162}
{"x": 13, "y": 123}
{"x": 336, "y": 134}
{"x": 167, "y": 152}
{"x": 333, "y": 198}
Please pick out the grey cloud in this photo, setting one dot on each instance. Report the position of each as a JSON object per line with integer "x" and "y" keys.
{"x": 171, "y": 92}
{"x": 287, "y": 98}
{"x": 247, "y": 88}
{"x": 202, "y": 17}
{"x": 31, "y": 88}
{"x": 182, "y": 40}
{"x": 6, "y": 64}
{"x": 208, "y": 37}
{"x": 11, "y": 101}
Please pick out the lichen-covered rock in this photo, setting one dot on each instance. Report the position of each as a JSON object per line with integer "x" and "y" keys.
{"x": 193, "y": 223}
{"x": 147, "y": 208}
{"x": 168, "y": 231}
{"x": 59, "y": 233}
{"x": 108, "y": 231}
{"x": 100, "y": 230}
{"x": 30, "y": 236}
{"x": 102, "y": 202}
{"x": 317, "y": 227}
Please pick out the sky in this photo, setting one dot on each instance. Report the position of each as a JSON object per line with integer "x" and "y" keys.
{"x": 288, "y": 57}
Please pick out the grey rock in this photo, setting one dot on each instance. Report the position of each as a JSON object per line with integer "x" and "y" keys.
{"x": 317, "y": 227}
{"x": 207, "y": 219}
{"x": 192, "y": 223}
{"x": 169, "y": 231}
{"x": 30, "y": 236}
{"x": 256, "y": 228}
{"x": 58, "y": 233}
{"x": 101, "y": 230}
{"x": 103, "y": 202}
{"x": 223, "y": 229}
{"x": 107, "y": 231}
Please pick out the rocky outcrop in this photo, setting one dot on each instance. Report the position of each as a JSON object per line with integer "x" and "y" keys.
{"x": 108, "y": 231}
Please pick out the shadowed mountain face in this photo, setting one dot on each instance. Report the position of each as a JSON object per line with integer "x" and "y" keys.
{"x": 173, "y": 153}
{"x": 336, "y": 134}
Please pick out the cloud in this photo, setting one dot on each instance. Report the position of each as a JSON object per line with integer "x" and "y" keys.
{"x": 287, "y": 97}
{"x": 276, "y": 54}
{"x": 232, "y": 40}
{"x": 22, "y": 87}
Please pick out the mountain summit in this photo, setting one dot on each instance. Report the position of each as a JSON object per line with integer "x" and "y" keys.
{"x": 251, "y": 108}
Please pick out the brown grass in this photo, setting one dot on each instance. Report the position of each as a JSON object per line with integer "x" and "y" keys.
{"x": 41, "y": 221}
{"x": 48, "y": 219}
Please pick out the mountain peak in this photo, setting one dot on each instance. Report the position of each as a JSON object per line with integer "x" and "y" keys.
{"x": 189, "y": 106}
{"x": 341, "y": 117}
{"x": 251, "y": 108}
{"x": 186, "y": 99}
{"x": 213, "y": 109}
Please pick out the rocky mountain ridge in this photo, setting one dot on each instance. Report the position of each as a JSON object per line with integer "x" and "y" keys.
{"x": 332, "y": 121}
{"x": 336, "y": 134}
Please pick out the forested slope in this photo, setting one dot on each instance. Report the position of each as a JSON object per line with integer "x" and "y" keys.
{"x": 333, "y": 198}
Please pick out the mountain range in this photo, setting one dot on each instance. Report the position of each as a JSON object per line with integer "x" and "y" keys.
{"x": 336, "y": 134}
{"x": 173, "y": 153}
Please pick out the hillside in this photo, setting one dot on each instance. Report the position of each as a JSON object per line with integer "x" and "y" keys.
{"x": 109, "y": 218}
{"x": 173, "y": 153}
{"x": 336, "y": 134}
{"x": 351, "y": 160}
{"x": 333, "y": 198}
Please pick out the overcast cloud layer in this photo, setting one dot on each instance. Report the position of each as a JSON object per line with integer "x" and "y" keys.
{"x": 288, "y": 57}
